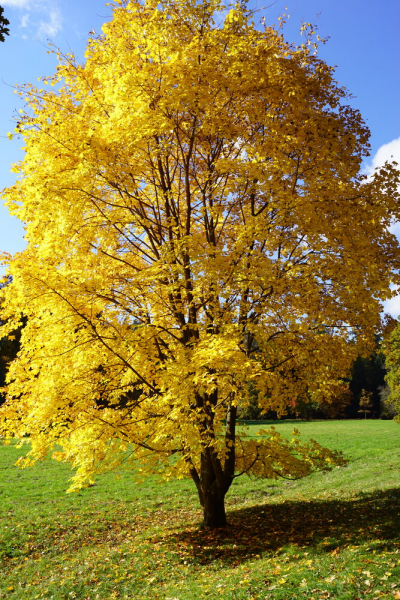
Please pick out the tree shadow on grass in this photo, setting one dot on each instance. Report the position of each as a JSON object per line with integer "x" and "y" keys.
{"x": 325, "y": 525}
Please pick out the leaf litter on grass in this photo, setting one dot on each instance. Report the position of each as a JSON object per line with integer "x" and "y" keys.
{"x": 116, "y": 541}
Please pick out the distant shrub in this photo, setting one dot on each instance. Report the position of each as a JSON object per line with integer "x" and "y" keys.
{"x": 388, "y": 410}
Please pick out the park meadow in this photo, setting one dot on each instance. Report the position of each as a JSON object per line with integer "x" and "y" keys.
{"x": 330, "y": 535}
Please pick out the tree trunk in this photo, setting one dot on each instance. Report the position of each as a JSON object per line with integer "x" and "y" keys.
{"x": 214, "y": 515}
{"x": 213, "y": 485}
{"x": 213, "y": 478}
{"x": 212, "y": 488}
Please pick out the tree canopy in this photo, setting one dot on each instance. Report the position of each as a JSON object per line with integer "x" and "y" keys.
{"x": 197, "y": 229}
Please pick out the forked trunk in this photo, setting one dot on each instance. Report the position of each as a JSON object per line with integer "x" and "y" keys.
{"x": 212, "y": 486}
{"x": 214, "y": 510}
{"x": 214, "y": 477}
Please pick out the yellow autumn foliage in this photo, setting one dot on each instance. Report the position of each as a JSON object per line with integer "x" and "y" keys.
{"x": 197, "y": 226}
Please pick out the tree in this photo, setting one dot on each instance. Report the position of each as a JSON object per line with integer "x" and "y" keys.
{"x": 197, "y": 228}
{"x": 365, "y": 403}
{"x": 3, "y": 25}
{"x": 367, "y": 375}
{"x": 387, "y": 407}
{"x": 332, "y": 407}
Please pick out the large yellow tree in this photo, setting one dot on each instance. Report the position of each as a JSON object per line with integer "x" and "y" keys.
{"x": 197, "y": 228}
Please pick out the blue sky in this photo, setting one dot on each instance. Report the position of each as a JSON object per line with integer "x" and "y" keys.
{"x": 364, "y": 44}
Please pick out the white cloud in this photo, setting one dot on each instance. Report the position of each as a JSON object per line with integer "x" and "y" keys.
{"x": 387, "y": 152}
{"x": 25, "y": 20}
{"x": 51, "y": 27}
{"x": 392, "y": 306}
{"x": 395, "y": 229}
{"x": 390, "y": 151}
{"x": 17, "y": 3}
{"x": 44, "y": 19}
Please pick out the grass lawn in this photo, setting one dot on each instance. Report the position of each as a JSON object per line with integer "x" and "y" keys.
{"x": 334, "y": 535}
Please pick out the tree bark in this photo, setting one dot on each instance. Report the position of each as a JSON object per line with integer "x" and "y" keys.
{"x": 214, "y": 515}
{"x": 212, "y": 486}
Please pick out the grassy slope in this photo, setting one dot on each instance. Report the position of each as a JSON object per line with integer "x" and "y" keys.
{"x": 331, "y": 535}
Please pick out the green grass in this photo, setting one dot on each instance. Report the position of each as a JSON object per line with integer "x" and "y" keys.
{"x": 333, "y": 535}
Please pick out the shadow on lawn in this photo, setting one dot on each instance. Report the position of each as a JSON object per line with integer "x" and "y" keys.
{"x": 326, "y": 525}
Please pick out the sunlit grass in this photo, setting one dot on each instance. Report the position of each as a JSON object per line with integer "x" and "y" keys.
{"x": 331, "y": 535}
